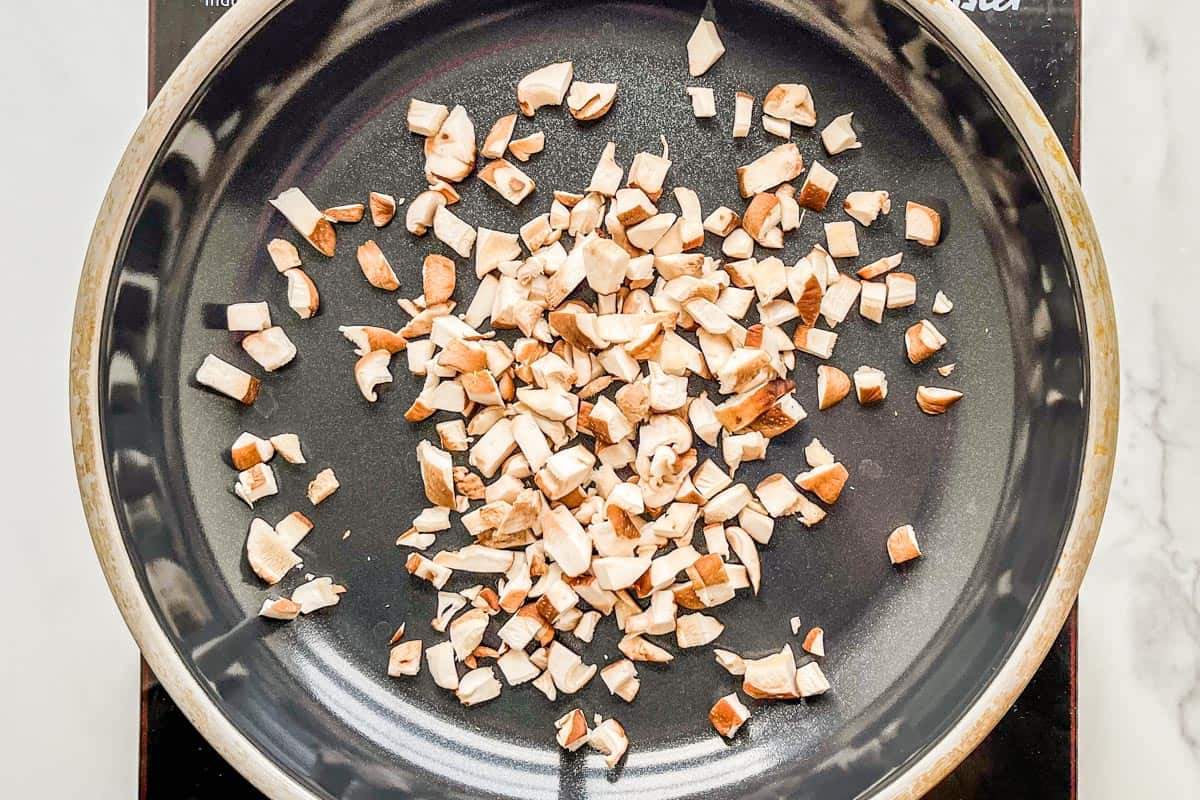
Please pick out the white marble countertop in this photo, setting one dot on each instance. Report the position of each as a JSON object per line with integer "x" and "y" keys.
{"x": 75, "y": 76}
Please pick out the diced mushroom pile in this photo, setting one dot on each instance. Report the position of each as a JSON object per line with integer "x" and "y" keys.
{"x": 566, "y": 445}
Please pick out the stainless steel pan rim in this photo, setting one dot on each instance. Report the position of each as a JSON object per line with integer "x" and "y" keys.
{"x": 944, "y": 20}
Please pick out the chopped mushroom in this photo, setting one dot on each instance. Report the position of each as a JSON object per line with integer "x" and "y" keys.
{"x": 870, "y": 384}
{"x": 772, "y": 677}
{"x": 450, "y": 153}
{"x": 590, "y": 101}
{"x": 946, "y": 370}
{"x": 498, "y": 137}
{"x": 811, "y": 681}
{"x": 322, "y": 486}
{"x": 704, "y": 104}
{"x": 922, "y": 224}
{"x": 842, "y": 239}
{"x": 478, "y": 686}
{"x": 509, "y": 182}
{"x": 934, "y": 400}
{"x": 372, "y": 370}
{"x": 405, "y": 659}
{"x": 426, "y": 118}
{"x": 348, "y": 213}
{"x": 922, "y": 341}
{"x": 383, "y": 208}
{"x": 318, "y": 593}
{"x": 308, "y": 220}
{"x": 302, "y": 294}
{"x": 867, "y": 206}
{"x": 572, "y": 730}
{"x": 793, "y": 102}
{"x": 743, "y": 109}
{"x": 902, "y": 545}
{"x": 901, "y": 289}
{"x": 247, "y": 316}
{"x": 839, "y": 136}
{"x": 781, "y": 164}
{"x": 227, "y": 379}
{"x": 728, "y": 715}
{"x": 248, "y": 450}
{"x": 375, "y": 267}
{"x": 941, "y": 303}
{"x": 438, "y": 278}
{"x": 814, "y": 642}
{"x": 422, "y": 211}
{"x": 279, "y": 608}
{"x": 525, "y": 148}
{"x": 704, "y": 47}
{"x": 544, "y": 87}
{"x": 283, "y": 254}
{"x": 816, "y": 190}
{"x": 621, "y": 679}
{"x": 268, "y": 553}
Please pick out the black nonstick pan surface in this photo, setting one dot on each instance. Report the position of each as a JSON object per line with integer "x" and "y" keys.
{"x": 315, "y": 96}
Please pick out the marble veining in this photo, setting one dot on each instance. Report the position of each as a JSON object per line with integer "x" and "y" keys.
{"x": 1139, "y": 704}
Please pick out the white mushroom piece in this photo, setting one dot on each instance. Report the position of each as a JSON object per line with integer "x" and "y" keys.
{"x": 452, "y": 231}
{"x": 842, "y": 240}
{"x": 509, "y": 182}
{"x": 743, "y": 111}
{"x": 223, "y": 377}
{"x": 902, "y": 545}
{"x": 728, "y": 715}
{"x": 280, "y": 608}
{"x": 609, "y": 738}
{"x": 870, "y": 384}
{"x": 404, "y": 659}
{"x": 811, "y": 681}
{"x": 867, "y": 206}
{"x": 450, "y": 153}
{"x": 498, "y": 137}
{"x": 572, "y": 730}
{"x": 248, "y": 450}
{"x": 247, "y": 317}
{"x": 544, "y": 87}
{"x": 478, "y": 686}
{"x": 934, "y": 400}
{"x": 308, "y": 220}
{"x": 704, "y": 47}
{"x": 375, "y": 267}
{"x": 271, "y": 348}
{"x": 527, "y": 146}
{"x": 792, "y": 102}
{"x": 621, "y": 679}
{"x": 318, "y": 593}
{"x": 590, "y": 101}
{"x": 704, "y": 104}
{"x": 422, "y": 211}
{"x": 922, "y": 340}
{"x": 922, "y": 224}
{"x": 425, "y": 118}
{"x": 839, "y": 136}
{"x": 371, "y": 370}
{"x": 283, "y": 254}
{"x": 777, "y": 166}
{"x": 383, "y": 208}
{"x": 437, "y": 474}
{"x": 817, "y": 188}
{"x": 269, "y": 554}
{"x": 322, "y": 486}
{"x": 302, "y": 295}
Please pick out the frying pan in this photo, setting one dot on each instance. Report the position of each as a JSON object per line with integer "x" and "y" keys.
{"x": 1006, "y": 491}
